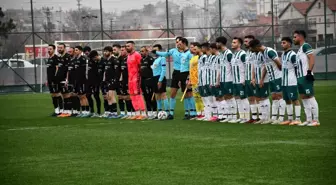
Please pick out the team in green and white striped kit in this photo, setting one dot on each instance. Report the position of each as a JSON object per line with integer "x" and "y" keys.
{"x": 235, "y": 84}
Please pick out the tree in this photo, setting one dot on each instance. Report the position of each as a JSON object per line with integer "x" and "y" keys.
{"x": 6, "y": 26}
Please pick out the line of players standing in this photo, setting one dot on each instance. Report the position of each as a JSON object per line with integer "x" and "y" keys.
{"x": 74, "y": 77}
{"x": 228, "y": 84}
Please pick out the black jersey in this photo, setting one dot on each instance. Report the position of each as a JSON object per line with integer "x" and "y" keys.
{"x": 63, "y": 66}
{"x": 116, "y": 68}
{"x": 109, "y": 69}
{"x": 146, "y": 70}
{"x": 52, "y": 63}
{"x": 93, "y": 71}
{"x": 123, "y": 68}
{"x": 71, "y": 71}
{"x": 101, "y": 69}
{"x": 80, "y": 67}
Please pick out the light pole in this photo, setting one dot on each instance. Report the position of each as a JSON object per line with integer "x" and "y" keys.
{"x": 89, "y": 17}
{"x": 60, "y": 21}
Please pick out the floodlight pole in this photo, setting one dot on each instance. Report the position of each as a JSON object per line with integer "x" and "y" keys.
{"x": 272, "y": 10}
{"x": 33, "y": 31}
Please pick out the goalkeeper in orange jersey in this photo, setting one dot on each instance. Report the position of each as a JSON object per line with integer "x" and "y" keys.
{"x": 195, "y": 49}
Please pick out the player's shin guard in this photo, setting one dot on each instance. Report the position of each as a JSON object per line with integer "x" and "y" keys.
{"x": 198, "y": 103}
{"x": 254, "y": 111}
{"x": 192, "y": 106}
{"x": 307, "y": 109}
{"x": 290, "y": 111}
{"x": 246, "y": 104}
{"x": 98, "y": 102}
{"x": 90, "y": 100}
{"x": 267, "y": 106}
{"x": 166, "y": 105}
{"x": 159, "y": 104}
{"x": 172, "y": 105}
{"x": 297, "y": 112}
{"x": 106, "y": 106}
{"x": 129, "y": 107}
{"x": 240, "y": 108}
{"x": 275, "y": 108}
{"x": 314, "y": 108}
{"x": 121, "y": 104}
{"x": 55, "y": 102}
{"x": 60, "y": 103}
{"x": 186, "y": 106}
{"x": 282, "y": 109}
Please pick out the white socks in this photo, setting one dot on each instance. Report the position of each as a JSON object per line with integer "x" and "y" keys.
{"x": 275, "y": 108}
{"x": 246, "y": 107}
{"x": 307, "y": 109}
{"x": 297, "y": 112}
{"x": 282, "y": 109}
{"x": 265, "y": 107}
{"x": 254, "y": 111}
{"x": 290, "y": 111}
{"x": 314, "y": 108}
{"x": 225, "y": 108}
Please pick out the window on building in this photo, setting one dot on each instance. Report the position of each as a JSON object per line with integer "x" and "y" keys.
{"x": 320, "y": 37}
{"x": 328, "y": 23}
{"x": 319, "y": 5}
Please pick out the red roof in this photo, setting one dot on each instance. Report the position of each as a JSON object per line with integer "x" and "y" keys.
{"x": 302, "y": 7}
{"x": 331, "y": 4}
{"x": 264, "y": 19}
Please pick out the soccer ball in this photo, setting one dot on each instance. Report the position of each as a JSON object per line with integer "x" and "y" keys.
{"x": 162, "y": 115}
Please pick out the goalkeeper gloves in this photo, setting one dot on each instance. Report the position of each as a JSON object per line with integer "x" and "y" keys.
{"x": 309, "y": 76}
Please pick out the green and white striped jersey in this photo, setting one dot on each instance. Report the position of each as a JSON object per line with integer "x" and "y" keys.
{"x": 251, "y": 57}
{"x": 258, "y": 67}
{"x": 238, "y": 67}
{"x": 288, "y": 60}
{"x": 225, "y": 66}
{"x": 215, "y": 69}
{"x": 206, "y": 71}
{"x": 302, "y": 59}
{"x": 201, "y": 71}
{"x": 273, "y": 71}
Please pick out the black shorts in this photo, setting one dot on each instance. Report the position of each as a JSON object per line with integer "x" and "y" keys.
{"x": 104, "y": 88}
{"x": 163, "y": 86}
{"x": 112, "y": 85}
{"x": 175, "y": 79}
{"x": 54, "y": 87}
{"x": 69, "y": 88}
{"x": 183, "y": 79}
{"x": 122, "y": 88}
{"x": 147, "y": 86}
{"x": 93, "y": 88}
{"x": 81, "y": 88}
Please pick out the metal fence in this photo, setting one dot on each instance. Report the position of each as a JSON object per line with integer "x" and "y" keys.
{"x": 41, "y": 22}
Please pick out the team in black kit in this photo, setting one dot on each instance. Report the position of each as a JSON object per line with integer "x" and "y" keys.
{"x": 75, "y": 77}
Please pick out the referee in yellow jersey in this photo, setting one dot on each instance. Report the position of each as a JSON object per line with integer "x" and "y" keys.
{"x": 195, "y": 49}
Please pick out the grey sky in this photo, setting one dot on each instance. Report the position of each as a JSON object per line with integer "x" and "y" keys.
{"x": 112, "y": 5}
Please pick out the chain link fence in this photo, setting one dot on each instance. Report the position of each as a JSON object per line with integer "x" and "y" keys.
{"x": 23, "y": 52}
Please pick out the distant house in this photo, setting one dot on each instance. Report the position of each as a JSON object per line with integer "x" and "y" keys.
{"x": 310, "y": 17}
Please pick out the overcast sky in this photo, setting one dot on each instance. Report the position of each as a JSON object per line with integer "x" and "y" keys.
{"x": 113, "y": 5}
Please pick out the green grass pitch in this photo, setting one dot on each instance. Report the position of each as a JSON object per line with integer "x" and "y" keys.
{"x": 41, "y": 150}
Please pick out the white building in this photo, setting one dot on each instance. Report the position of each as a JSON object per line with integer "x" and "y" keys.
{"x": 264, "y": 6}
{"x": 311, "y": 16}
{"x": 315, "y": 16}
